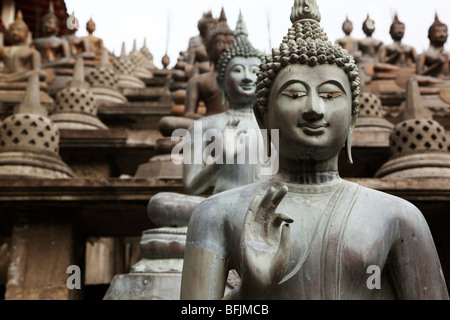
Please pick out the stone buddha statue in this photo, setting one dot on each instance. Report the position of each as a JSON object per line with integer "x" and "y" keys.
{"x": 397, "y": 53}
{"x": 96, "y": 44}
{"x": 198, "y": 60}
{"x": 348, "y": 42}
{"x": 79, "y": 46}
{"x": 369, "y": 47}
{"x": 306, "y": 233}
{"x": 203, "y": 88}
{"x": 434, "y": 62}
{"x": 55, "y": 51}
{"x": 19, "y": 59}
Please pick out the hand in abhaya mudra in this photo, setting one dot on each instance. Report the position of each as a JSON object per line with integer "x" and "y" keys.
{"x": 264, "y": 249}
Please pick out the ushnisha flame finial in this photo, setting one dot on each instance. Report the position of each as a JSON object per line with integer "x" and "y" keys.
{"x": 305, "y": 9}
{"x": 241, "y": 27}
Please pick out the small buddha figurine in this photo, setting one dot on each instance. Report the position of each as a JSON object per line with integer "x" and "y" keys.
{"x": 55, "y": 51}
{"x": 19, "y": 59}
{"x": 96, "y": 44}
{"x": 369, "y": 47}
{"x": 397, "y": 53}
{"x": 434, "y": 62}
{"x": 348, "y": 42}
{"x": 307, "y": 234}
{"x": 204, "y": 87}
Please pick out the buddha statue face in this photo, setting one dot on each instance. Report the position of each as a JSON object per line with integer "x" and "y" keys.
{"x": 50, "y": 27}
{"x": 18, "y": 33}
{"x": 312, "y": 108}
{"x": 397, "y": 31}
{"x": 438, "y": 34}
{"x": 220, "y": 43}
{"x": 240, "y": 80}
{"x": 347, "y": 27}
{"x": 90, "y": 26}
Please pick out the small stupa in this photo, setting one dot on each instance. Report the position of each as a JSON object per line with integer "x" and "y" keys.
{"x": 125, "y": 70}
{"x": 371, "y": 115}
{"x": 418, "y": 145}
{"x": 103, "y": 81}
{"x": 140, "y": 61}
{"x": 76, "y": 104}
{"x": 148, "y": 56}
{"x": 29, "y": 141}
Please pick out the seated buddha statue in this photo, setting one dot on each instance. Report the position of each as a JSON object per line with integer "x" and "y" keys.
{"x": 348, "y": 42}
{"x": 55, "y": 51}
{"x": 369, "y": 47}
{"x": 96, "y": 44}
{"x": 203, "y": 88}
{"x": 19, "y": 62}
{"x": 79, "y": 46}
{"x": 435, "y": 61}
{"x": 307, "y": 234}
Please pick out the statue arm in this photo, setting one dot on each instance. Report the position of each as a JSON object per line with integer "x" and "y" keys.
{"x": 192, "y": 98}
{"x": 204, "y": 268}
{"x": 414, "y": 261}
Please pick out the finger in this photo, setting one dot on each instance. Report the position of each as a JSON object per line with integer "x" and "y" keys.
{"x": 283, "y": 253}
{"x": 278, "y": 197}
{"x": 280, "y": 218}
{"x": 267, "y": 198}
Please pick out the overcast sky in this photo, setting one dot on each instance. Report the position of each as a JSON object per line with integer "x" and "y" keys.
{"x": 168, "y": 24}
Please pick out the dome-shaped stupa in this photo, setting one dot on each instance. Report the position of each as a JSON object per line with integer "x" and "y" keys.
{"x": 125, "y": 70}
{"x": 76, "y": 104}
{"x": 418, "y": 145}
{"x": 29, "y": 141}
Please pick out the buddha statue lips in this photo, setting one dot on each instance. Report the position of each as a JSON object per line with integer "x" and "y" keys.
{"x": 313, "y": 129}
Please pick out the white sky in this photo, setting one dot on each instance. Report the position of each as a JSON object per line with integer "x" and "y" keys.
{"x": 123, "y": 21}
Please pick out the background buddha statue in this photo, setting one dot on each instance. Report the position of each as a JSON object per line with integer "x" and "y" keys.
{"x": 96, "y": 44}
{"x": 307, "y": 234}
{"x": 369, "y": 47}
{"x": 55, "y": 51}
{"x": 79, "y": 46}
{"x": 397, "y": 53}
{"x": 203, "y": 88}
{"x": 434, "y": 62}
{"x": 348, "y": 42}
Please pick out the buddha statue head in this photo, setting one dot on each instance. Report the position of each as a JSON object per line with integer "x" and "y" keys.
{"x": 309, "y": 89}
{"x": 219, "y": 38}
{"x": 368, "y": 26}
{"x": 205, "y": 23}
{"x": 347, "y": 27}
{"x": 397, "y": 30}
{"x": 90, "y": 26}
{"x": 50, "y": 23}
{"x": 237, "y": 68}
{"x": 18, "y": 30}
{"x": 438, "y": 32}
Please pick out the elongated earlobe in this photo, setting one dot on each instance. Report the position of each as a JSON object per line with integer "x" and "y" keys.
{"x": 348, "y": 142}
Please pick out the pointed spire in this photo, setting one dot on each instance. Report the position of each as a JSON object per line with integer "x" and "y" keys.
{"x": 19, "y": 15}
{"x": 144, "y": 46}
{"x": 32, "y": 101}
{"x": 241, "y": 28}
{"x": 134, "y": 46}
{"x": 51, "y": 8}
{"x": 123, "y": 53}
{"x": 223, "y": 16}
{"x": 78, "y": 79}
{"x": 414, "y": 108}
{"x": 305, "y": 9}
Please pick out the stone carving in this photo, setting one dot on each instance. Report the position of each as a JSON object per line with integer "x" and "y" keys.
{"x": 306, "y": 233}
{"x": 435, "y": 61}
{"x": 418, "y": 145}
{"x": 95, "y": 44}
{"x": 79, "y": 46}
{"x": 348, "y": 42}
{"x": 204, "y": 87}
{"x": 103, "y": 81}
{"x": 141, "y": 63}
{"x": 125, "y": 71}
{"x": 369, "y": 47}
{"x": 29, "y": 141}
{"x": 76, "y": 105}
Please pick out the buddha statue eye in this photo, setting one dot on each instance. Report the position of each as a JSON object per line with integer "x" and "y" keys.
{"x": 331, "y": 95}
{"x": 293, "y": 94}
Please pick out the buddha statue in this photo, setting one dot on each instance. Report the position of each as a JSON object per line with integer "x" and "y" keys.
{"x": 369, "y": 47}
{"x": 55, "y": 51}
{"x": 306, "y": 233}
{"x": 434, "y": 62}
{"x": 397, "y": 53}
{"x": 96, "y": 44}
{"x": 198, "y": 60}
{"x": 203, "y": 88}
{"x": 19, "y": 62}
{"x": 348, "y": 42}
{"x": 79, "y": 46}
